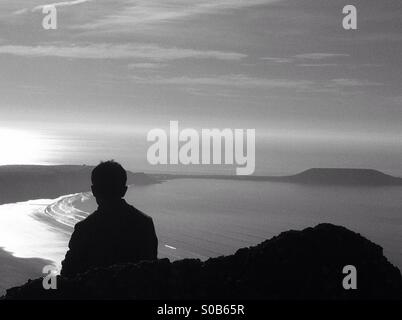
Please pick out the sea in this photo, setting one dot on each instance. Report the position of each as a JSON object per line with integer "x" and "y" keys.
{"x": 202, "y": 218}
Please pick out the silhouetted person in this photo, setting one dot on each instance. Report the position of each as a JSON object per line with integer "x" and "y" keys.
{"x": 116, "y": 232}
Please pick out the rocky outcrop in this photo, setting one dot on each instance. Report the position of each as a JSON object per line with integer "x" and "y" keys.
{"x": 303, "y": 264}
{"x": 344, "y": 176}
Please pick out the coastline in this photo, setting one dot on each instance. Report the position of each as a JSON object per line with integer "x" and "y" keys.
{"x": 31, "y": 238}
{"x": 16, "y": 271}
{"x": 33, "y": 235}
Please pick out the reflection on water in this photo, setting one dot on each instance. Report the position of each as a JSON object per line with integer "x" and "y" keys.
{"x": 26, "y": 236}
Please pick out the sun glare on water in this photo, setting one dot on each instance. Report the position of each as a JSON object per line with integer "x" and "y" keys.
{"x": 22, "y": 147}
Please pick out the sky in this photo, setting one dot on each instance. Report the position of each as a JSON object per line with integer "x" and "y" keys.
{"x": 316, "y": 94}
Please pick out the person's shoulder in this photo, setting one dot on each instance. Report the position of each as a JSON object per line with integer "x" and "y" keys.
{"x": 138, "y": 214}
{"x": 87, "y": 222}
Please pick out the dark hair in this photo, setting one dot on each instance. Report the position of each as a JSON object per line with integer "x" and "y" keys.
{"x": 109, "y": 178}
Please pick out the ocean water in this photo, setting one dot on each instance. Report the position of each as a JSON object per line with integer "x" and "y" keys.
{"x": 201, "y": 218}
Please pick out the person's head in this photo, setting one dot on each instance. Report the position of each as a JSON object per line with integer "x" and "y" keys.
{"x": 109, "y": 182}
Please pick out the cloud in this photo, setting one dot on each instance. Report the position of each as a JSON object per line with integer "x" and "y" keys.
{"x": 301, "y": 58}
{"x": 118, "y": 51}
{"x": 146, "y": 65}
{"x": 395, "y": 100}
{"x": 341, "y": 82}
{"x": 137, "y": 12}
{"x": 248, "y": 82}
{"x": 55, "y": 4}
{"x": 277, "y": 60}
{"x": 377, "y": 37}
{"x": 21, "y": 11}
{"x": 313, "y": 65}
{"x": 237, "y": 80}
{"x": 320, "y": 56}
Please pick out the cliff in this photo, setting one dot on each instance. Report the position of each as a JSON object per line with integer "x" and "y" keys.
{"x": 303, "y": 264}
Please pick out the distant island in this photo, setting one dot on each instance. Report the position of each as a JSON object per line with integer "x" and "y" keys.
{"x": 339, "y": 176}
{"x": 314, "y": 176}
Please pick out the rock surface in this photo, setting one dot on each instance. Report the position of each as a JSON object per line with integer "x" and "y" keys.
{"x": 303, "y": 264}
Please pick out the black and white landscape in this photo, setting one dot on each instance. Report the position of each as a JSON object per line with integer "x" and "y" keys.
{"x": 316, "y": 84}
{"x": 196, "y": 216}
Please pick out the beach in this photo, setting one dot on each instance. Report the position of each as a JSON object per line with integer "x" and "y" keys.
{"x": 32, "y": 236}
